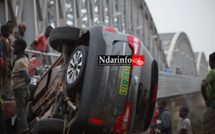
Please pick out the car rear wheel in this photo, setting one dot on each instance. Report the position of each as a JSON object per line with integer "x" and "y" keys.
{"x": 75, "y": 68}
{"x": 61, "y": 35}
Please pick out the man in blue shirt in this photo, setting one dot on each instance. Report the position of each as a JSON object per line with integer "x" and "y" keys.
{"x": 164, "y": 123}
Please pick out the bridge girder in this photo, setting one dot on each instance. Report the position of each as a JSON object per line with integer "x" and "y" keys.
{"x": 179, "y": 53}
{"x": 201, "y": 64}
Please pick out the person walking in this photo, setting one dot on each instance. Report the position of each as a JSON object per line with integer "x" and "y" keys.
{"x": 164, "y": 123}
{"x": 40, "y": 42}
{"x": 185, "y": 126}
{"x": 21, "y": 31}
{"x": 208, "y": 93}
{"x": 20, "y": 80}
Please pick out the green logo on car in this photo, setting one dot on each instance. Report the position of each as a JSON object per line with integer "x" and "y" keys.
{"x": 125, "y": 80}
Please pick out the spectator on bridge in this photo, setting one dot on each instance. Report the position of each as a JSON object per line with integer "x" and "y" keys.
{"x": 185, "y": 126}
{"x": 21, "y": 30}
{"x": 20, "y": 79}
{"x": 208, "y": 93}
{"x": 178, "y": 71}
{"x": 5, "y": 75}
{"x": 11, "y": 37}
{"x": 168, "y": 70}
{"x": 164, "y": 123}
{"x": 40, "y": 42}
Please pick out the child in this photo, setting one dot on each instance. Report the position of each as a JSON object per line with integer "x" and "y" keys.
{"x": 20, "y": 79}
{"x": 185, "y": 122}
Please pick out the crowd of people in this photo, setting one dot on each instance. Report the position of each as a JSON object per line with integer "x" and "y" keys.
{"x": 14, "y": 77}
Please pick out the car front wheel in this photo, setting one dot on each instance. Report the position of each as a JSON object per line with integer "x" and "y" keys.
{"x": 75, "y": 69}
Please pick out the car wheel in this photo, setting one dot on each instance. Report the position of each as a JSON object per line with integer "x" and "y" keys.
{"x": 60, "y": 35}
{"x": 75, "y": 69}
{"x": 49, "y": 126}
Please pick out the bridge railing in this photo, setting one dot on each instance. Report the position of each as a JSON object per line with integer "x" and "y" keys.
{"x": 173, "y": 84}
{"x": 49, "y": 58}
{"x": 46, "y": 55}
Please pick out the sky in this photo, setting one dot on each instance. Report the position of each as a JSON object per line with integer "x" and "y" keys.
{"x": 194, "y": 17}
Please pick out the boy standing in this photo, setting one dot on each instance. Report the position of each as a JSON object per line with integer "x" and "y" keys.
{"x": 164, "y": 123}
{"x": 20, "y": 79}
{"x": 185, "y": 122}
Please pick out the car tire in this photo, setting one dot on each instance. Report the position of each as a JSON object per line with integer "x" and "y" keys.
{"x": 49, "y": 126}
{"x": 63, "y": 34}
{"x": 75, "y": 69}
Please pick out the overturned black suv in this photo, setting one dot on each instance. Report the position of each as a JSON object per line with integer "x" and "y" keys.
{"x": 104, "y": 96}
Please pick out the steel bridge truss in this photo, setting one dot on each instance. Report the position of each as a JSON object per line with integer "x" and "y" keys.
{"x": 127, "y": 16}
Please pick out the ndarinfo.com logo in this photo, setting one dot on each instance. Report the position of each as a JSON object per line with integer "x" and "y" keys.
{"x": 121, "y": 60}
